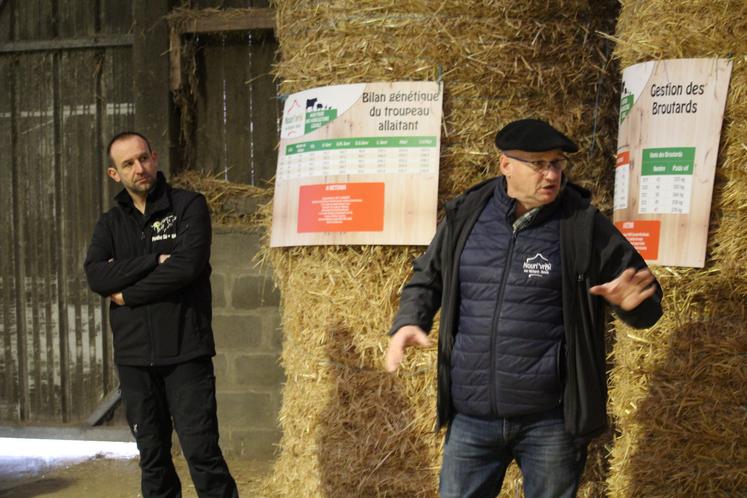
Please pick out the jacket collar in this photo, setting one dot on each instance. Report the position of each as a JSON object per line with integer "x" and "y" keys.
{"x": 576, "y": 196}
{"x": 479, "y": 194}
{"x": 159, "y": 198}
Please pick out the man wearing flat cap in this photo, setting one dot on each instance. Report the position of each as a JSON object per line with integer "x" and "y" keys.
{"x": 522, "y": 268}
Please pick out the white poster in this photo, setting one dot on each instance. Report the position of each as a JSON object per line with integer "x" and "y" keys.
{"x": 358, "y": 164}
{"x": 670, "y": 124}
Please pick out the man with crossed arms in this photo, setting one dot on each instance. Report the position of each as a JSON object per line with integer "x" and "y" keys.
{"x": 150, "y": 254}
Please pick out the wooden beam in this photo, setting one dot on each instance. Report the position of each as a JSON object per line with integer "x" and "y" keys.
{"x": 66, "y": 44}
{"x": 222, "y": 21}
{"x": 175, "y": 60}
{"x": 104, "y": 407}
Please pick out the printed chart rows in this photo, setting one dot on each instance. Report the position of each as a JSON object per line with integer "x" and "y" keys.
{"x": 408, "y": 160}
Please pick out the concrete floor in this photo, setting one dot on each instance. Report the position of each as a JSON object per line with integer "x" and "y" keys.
{"x": 26, "y": 477}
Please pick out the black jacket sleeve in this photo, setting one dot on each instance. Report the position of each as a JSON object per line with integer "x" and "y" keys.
{"x": 421, "y": 296}
{"x": 106, "y": 277}
{"x": 617, "y": 254}
{"x": 190, "y": 256}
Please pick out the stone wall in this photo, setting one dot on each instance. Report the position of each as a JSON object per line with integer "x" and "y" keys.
{"x": 246, "y": 323}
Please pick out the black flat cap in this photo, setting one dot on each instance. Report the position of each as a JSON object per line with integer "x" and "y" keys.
{"x": 532, "y": 135}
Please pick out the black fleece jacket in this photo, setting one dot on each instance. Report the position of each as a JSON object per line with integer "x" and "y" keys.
{"x": 592, "y": 252}
{"x": 167, "y": 314}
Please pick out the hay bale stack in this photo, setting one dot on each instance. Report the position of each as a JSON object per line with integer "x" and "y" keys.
{"x": 349, "y": 429}
{"x": 498, "y": 59}
{"x": 678, "y": 390}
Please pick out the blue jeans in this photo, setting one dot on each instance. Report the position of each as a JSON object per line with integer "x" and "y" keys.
{"x": 478, "y": 451}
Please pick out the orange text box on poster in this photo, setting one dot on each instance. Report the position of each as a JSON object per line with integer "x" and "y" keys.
{"x": 341, "y": 207}
{"x": 623, "y": 158}
{"x": 643, "y": 235}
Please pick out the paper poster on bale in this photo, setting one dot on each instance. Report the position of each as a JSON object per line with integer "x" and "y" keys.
{"x": 670, "y": 125}
{"x": 358, "y": 164}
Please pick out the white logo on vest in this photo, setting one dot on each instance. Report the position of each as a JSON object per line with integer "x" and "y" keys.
{"x": 538, "y": 266}
{"x": 160, "y": 227}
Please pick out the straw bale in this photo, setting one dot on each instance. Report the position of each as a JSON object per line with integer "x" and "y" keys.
{"x": 678, "y": 389}
{"x": 349, "y": 429}
{"x": 231, "y": 204}
{"x": 353, "y": 426}
{"x": 678, "y": 395}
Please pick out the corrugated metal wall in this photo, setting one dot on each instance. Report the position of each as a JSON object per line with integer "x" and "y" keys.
{"x": 65, "y": 87}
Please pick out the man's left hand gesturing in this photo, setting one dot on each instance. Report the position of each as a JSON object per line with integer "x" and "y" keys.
{"x": 628, "y": 290}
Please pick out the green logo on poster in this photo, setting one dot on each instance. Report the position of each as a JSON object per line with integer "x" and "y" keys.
{"x": 626, "y": 103}
{"x": 317, "y": 119}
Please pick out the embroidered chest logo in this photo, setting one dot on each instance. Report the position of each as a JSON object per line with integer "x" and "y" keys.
{"x": 537, "y": 266}
{"x": 162, "y": 226}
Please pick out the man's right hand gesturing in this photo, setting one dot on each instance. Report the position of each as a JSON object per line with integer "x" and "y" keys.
{"x": 409, "y": 335}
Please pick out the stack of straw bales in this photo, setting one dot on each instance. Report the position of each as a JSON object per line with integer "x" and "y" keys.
{"x": 679, "y": 390}
{"x": 350, "y": 429}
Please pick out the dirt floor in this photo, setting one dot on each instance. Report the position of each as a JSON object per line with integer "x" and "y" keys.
{"x": 106, "y": 478}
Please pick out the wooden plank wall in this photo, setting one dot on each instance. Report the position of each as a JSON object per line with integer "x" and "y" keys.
{"x": 58, "y": 109}
{"x": 236, "y": 119}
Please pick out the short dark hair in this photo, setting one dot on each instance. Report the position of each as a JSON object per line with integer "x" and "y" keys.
{"x": 120, "y": 136}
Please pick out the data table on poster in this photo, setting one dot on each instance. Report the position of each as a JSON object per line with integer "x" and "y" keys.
{"x": 666, "y": 180}
{"x": 622, "y": 179}
{"x": 665, "y": 195}
{"x": 359, "y": 156}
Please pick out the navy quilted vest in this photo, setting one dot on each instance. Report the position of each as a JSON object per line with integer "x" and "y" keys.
{"x": 509, "y": 345}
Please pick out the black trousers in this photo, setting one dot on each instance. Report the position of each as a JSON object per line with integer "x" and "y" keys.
{"x": 184, "y": 393}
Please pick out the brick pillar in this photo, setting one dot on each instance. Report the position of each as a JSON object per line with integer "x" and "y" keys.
{"x": 246, "y": 323}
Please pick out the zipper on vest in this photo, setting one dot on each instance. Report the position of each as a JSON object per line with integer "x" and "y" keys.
{"x": 571, "y": 395}
{"x": 496, "y": 320}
